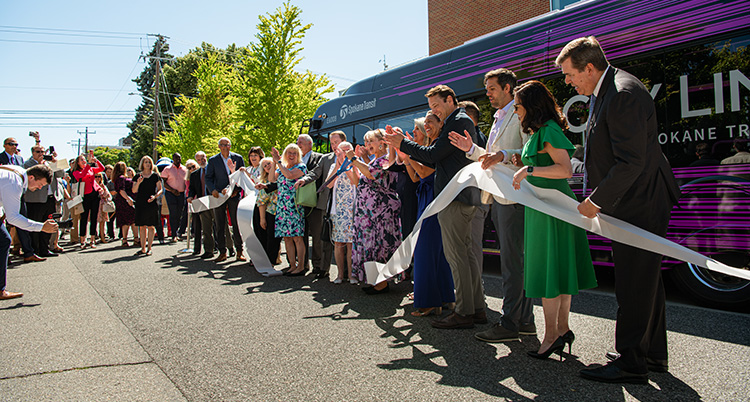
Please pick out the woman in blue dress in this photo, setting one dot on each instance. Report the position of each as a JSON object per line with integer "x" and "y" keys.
{"x": 290, "y": 217}
{"x": 433, "y": 281}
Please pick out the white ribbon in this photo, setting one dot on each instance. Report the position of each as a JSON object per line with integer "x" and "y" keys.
{"x": 245, "y": 211}
{"x": 498, "y": 181}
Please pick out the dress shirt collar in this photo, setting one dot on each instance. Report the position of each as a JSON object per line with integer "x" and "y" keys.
{"x": 306, "y": 157}
{"x": 599, "y": 84}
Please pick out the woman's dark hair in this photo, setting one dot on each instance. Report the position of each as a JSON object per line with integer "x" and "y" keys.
{"x": 540, "y": 106}
{"x": 119, "y": 170}
{"x": 258, "y": 151}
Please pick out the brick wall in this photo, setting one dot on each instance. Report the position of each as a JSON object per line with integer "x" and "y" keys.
{"x": 451, "y": 23}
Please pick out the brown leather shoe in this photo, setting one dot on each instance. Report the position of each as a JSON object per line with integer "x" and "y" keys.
{"x": 454, "y": 321}
{"x": 221, "y": 257}
{"x": 240, "y": 257}
{"x": 480, "y": 316}
{"x": 34, "y": 258}
{"x": 5, "y": 295}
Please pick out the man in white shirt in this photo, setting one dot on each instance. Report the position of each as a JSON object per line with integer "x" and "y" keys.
{"x": 13, "y": 181}
{"x": 505, "y": 139}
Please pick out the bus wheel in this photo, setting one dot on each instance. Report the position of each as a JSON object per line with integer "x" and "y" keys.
{"x": 714, "y": 289}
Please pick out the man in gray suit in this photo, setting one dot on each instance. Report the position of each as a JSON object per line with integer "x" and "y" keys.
{"x": 317, "y": 170}
{"x": 40, "y": 204}
{"x": 505, "y": 139}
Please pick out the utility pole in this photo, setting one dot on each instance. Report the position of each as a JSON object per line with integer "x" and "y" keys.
{"x": 159, "y": 40}
{"x": 86, "y": 149}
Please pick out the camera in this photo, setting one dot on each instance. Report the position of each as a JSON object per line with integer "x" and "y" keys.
{"x": 51, "y": 149}
{"x": 68, "y": 224}
{"x": 48, "y": 157}
{"x": 33, "y": 133}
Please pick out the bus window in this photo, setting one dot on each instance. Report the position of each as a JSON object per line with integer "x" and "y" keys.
{"x": 404, "y": 121}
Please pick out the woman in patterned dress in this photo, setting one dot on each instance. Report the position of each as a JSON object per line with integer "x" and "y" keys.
{"x": 266, "y": 207}
{"x": 342, "y": 212}
{"x": 290, "y": 217}
{"x": 377, "y": 222}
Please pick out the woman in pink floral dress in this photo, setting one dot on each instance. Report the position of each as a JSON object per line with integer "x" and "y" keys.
{"x": 377, "y": 222}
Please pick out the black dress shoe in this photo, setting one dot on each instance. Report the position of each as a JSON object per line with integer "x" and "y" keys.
{"x": 370, "y": 290}
{"x": 655, "y": 365}
{"x": 207, "y": 255}
{"x": 48, "y": 254}
{"x": 321, "y": 275}
{"x": 612, "y": 373}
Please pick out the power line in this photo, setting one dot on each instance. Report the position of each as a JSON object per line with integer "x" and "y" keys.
{"x": 66, "y": 34}
{"x": 73, "y": 30}
{"x": 66, "y": 43}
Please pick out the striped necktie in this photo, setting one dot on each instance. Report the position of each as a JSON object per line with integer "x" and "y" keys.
{"x": 589, "y": 125}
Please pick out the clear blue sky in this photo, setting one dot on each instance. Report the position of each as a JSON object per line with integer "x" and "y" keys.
{"x": 347, "y": 41}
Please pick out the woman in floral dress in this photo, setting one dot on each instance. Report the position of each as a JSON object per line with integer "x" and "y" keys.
{"x": 342, "y": 212}
{"x": 377, "y": 222}
{"x": 290, "y": 217}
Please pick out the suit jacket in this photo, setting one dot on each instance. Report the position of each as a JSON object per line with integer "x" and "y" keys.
{"x": 625, "y": 165}
{"x": 4, "y": 159}
{"x": 216, "y": 172}
{"x": 40, "y": 196}
{"x": 317, "y": 171}
{"x": 194, "y": 189}
{"x": 509, "y": 137}
{"x": 446, "y": 158}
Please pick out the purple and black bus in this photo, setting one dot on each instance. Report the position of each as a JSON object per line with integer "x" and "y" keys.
{"x": 694, "y": 57}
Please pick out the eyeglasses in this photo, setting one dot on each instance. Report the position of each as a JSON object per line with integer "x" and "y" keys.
{"x": 38, "y": 152}
{"x": 225, "y": 145}
{"x": 11, "y": 144}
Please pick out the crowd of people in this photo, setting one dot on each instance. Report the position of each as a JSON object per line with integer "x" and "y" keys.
{"x": 370, "y": 196}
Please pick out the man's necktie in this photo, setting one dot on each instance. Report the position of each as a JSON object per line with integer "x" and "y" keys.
{"x": 203, "y": 182}
{"x": 589, "y": 125}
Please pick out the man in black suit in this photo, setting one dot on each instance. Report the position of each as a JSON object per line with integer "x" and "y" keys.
{"x": 455, "y": 220}
{"x": 632, "y": 181}
{"x": 217, "y": 178}
{"x": 204, "y": 220}
{"x": 40, "y": 204}
{"x": 317, "y": 170}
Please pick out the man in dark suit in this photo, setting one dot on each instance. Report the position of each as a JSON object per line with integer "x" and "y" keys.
{"x": 632, "y": 181}
{"x": 317, "y": 170}
{"x": 217, "y": 178}
{"x": 204, "y": 220}
{"x": 455, "y": 220}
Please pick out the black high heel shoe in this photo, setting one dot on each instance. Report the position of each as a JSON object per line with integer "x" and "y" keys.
{"x": 556, "y": 347}
{"x": 568, "y": 338}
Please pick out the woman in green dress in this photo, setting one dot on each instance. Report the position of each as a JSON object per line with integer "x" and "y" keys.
{"x": 557, "y": 260}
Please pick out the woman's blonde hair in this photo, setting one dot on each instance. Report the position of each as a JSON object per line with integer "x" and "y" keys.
{"x": 263, "y": 173}
{"x": 294, "y": 148}
{"x": 153, "y": 167}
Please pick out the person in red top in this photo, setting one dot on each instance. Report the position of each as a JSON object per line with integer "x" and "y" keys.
{"x": 84, "y": 170}
{"x": 175, "y": 183}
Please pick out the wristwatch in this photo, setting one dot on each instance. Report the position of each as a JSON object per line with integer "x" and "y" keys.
{"x": 530, "y": 170}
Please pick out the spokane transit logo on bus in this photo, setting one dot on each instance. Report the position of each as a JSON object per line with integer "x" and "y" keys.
{"x": 347, "y": 110}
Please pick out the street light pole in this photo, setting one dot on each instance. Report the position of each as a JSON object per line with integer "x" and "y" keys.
{"x": 156, "y": 95}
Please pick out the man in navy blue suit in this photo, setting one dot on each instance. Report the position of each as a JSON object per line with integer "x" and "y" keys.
{"x": 217, "y": 179}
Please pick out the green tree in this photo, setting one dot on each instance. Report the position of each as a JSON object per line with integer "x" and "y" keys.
{"x": 206, "y": 117}
{"x": 110, "y": 156}
{"x": 273, "y": 98}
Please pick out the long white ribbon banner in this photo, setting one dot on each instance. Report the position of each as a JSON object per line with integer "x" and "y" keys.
{"x": 498, "y": 181}
{"x": 245, "y": 211}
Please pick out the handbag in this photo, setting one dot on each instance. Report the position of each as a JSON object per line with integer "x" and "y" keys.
{"x": 306, "y": 196}
{"x": 109, "y": 206}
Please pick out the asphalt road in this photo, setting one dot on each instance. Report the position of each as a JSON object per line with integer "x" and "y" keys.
{"x": 103, "y": 324}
